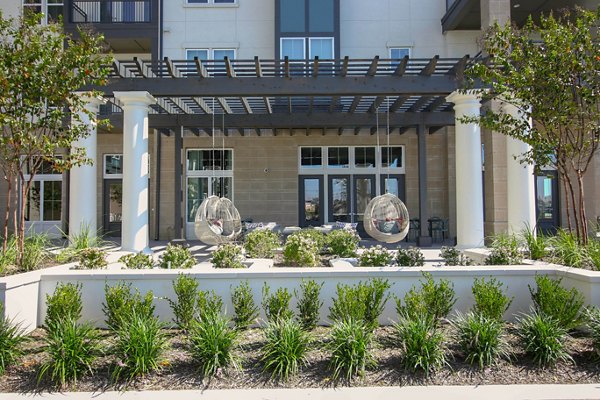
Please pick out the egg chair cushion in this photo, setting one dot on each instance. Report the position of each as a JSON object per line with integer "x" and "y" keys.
{"x": 387, "y": 218}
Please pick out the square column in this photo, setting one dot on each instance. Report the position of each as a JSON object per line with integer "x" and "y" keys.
{"x": 83, "y": 189}
{"x": 135, "y": 220}
{"x": 520, "y": 180}
{"x": 469, "y": 188}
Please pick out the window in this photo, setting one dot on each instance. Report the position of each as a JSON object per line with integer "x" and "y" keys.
{"x": 292, "y": 48}
{"x": 321, "y": 16}
{"x": 292, "y": 14}
{"x": 52, "y": 9}
{"x": 113, "y": 166}
{"x": 364, "y": 157}
{"x": 320, "y": 47}
{"x": 391, "y": 157}
{"x": 311, "y": 157}
{"x": 337, "y": 157}
{"x": 397, "y": 54}
{"x": 209, "y": 54}
{"x": 211, "y": 1}
{"x": 203, "y": 180}
{"x": 44, "y": 200}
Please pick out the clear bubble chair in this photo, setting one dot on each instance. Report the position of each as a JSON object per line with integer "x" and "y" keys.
{"x": 386, "y": 219}
{"x": 217, "y": 221}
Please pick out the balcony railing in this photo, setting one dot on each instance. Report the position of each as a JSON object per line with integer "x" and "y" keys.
{"x": 110, "y": 11}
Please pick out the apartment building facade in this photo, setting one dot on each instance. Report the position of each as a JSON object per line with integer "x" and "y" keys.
{"x": 300, "y": 111}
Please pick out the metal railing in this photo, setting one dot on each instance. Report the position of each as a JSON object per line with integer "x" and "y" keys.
{"x": 110, "y": 11}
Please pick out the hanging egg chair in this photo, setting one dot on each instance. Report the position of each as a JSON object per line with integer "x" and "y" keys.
{"x": 386, "y": 219}
{"x": 217, "y": 221}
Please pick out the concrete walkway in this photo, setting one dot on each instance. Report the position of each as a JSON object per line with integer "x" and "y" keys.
{"x": 492, "y": 392}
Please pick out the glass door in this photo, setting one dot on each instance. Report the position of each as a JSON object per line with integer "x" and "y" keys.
{"x": 547, "y": 207}
{"x": 310, "y": 201}
{"x": 113, "y": 207}
{"x": 340, "y": 209}
{"x": 363, "y": 190}
{"x": 395, "y": 185}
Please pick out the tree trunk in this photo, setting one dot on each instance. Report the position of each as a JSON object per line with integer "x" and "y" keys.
{"x": 582, "y": 214}
{"x": 574, "y": 204}
{"x": 21, "y": 236}
{"x": 567, "y": 208}
{"x": 6, "y": 213}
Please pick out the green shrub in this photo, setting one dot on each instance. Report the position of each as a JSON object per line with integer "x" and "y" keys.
{"x": 64, "y": 303}
{"x": 350, "y": 344}
{"x": 543, "y": 339}
{"x": 139, "y": 346}
{"x": 209, "y": 304}
{"x": 566, "y": 249}
{"x": 176, "y": 257}
{"x": 245, "y": 309}
{"x": 212, "y": 344}
{"x": 315, "y": 235}
{"x": 491, "y": 300}
{"x": 551, "y": 299}
{"x": 137, "y": 261}
{"x": 376, "y": 256}
{"x": 72, "y": 349}
{"x": 83, "y": 239}
{"x": 433, "y": 299}
{"x": 12, "y": 338}
{"x": 185, "y": 306}
{"x": 92, "y": 258}
{"x": 301, "y": 250}
{"x": 309, "y": 304}
{"x": 261, "y": 243}
{"x": 276, "y": 305}
{"x": 285, "y": 349}
{"x": 35, "y": 251}
{"x": 122, "y": 304}
{"x": 453, "y": 256}
{"x": 8, "y": 258}
{"x": 342, "y": 242}
{"x": 421, "y": 343}
{"x": 504, "y": 250}
{"x": 363, "y": 302}
{"x": 593, "y": 322}
{"x": 228, "y": 255}
{"x": 535, "y": 242}
{"x": 593, "y": 251}
{"x": 481, "y": 339}
{"x": 411, "y": 257}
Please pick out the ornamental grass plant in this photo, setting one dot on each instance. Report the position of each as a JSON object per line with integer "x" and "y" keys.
{"x": 421, "y": 342}
{"x": 212, "y": 344}
{"x": 480, "y": 339}
{"x": 350, "y": 344}
{"x": 12, "y": 339}
{"x": 286, "y": 348}
{"x": 543, "y": 339}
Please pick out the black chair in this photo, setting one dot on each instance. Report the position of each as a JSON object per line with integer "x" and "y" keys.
{"x": 414, "y": 229}
{"x": 436, "y": 229}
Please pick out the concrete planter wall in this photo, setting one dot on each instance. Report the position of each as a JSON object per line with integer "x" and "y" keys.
{"x": 25, "y": 295}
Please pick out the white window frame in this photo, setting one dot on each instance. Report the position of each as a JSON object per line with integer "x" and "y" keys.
{"x": 310, "y": 39}
{"x": 44, "y": 6}
{"x": 211, "y": 3}
{"x": 352, "y": 169}
{"x": 58, "y": 177}
{"x": 210, "y": 51}
{"x": 281, "y": 39}
{"x": 111, "y": 176}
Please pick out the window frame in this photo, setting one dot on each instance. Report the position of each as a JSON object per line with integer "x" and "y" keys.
{"x": 44, "y": 7}
{"x": 210, "y": 3}
{"x": 352, "y": 168}
{"x": 106, "y": 175}
{"x": 42, "y": 178}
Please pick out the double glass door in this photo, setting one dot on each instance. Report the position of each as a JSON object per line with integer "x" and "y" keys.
{"x": 349, "y": 196}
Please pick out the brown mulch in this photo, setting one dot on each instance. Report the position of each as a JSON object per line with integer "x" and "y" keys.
{"x": 180, "y": 372}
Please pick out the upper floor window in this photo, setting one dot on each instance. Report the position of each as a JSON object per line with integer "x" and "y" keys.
{"x": 209, "y": 54}
{"x": 398, "y": 53}
{"x": 52, "y": 9}
{"x": 315, "y": 16}
{"x": 211, "y": 1}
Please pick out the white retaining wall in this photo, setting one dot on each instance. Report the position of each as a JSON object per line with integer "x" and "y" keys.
{"x": 25, "y": 295}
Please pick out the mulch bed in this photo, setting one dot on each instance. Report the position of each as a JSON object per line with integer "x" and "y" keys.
{"x": 180, "y": 372}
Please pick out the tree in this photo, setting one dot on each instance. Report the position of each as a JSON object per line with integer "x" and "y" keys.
{"x": 41, "y": 69}
{"x": 551, "y": 73}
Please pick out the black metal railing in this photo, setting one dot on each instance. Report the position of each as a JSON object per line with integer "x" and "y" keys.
{"x": 110, "y": 11}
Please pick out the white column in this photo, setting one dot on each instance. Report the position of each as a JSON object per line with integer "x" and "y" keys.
{"x": 134, "y": 230}
{"x": 519, "y": 180}
{"x": 82, "y": 183}
{"x": 469, "y": 188}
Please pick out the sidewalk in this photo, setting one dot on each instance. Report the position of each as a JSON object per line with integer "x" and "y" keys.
{"x": 492, "y": 392}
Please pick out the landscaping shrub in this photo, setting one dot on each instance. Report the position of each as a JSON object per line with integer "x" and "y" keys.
{"x": 363, "y": 302}
{"x": 376, "y": 256}
{"x": 64, "y": 303}
{"x": 228, "y": 255}
{"x": 593, "y": 251}
{"x": 8, "y": 258}
{"x": 35, "y": 251}
{"x": 562, "y": 305}
{"x": 566, "y": 249}
{"x": 12, "y": 338}
{"x": 309, "y": 303}
{"x": 92, "y": 258}
{"x": 421, "y": 343}
{"x": 433, "y": 299}
{"x": 72, "y": 349}
{"x": 209, "y": 304}
{"x": 84, "y": 239}
{"x": 535, "y": 242}
{"x": 350, "y": 344}
{"x": 491, "y": 300}
{"x": 285, "y": 349}
{"x": 212, "y": 344}
{"x": 315, "y": 235}
{"x": 342, "y": 242}
{"x": 137, "y": 261}
{"x": 185, "y": 306}
{"x": 453, "y": 256}
{"x": 301, "y": 250}
{"x": 276, "y": 305}
{"x": 543, "y": 339}
{"x": 261, "y": 243}
{"x": 480, "y": 339}
{"x": 244, "y": 307}
{"x": 139, "y": 346}
{"x": 122, "y": 304}
{"x": 593, "y": 322}
{"x": 411, "y": 257}
{"x": 504, "y": 250}
{"x": 176, "y": 257}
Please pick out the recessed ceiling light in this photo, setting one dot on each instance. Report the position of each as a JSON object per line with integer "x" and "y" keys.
{"x": 516, "y": 5}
